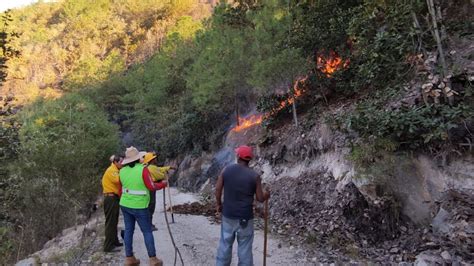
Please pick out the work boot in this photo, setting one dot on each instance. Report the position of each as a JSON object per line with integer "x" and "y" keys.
{"x": 154, "y": 261}
{"x": 131, "y": 261}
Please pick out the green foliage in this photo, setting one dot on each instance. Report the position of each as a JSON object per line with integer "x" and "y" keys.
{"x": 6, "y": 50}
{"x": 186, "y": 28}
{"x": 7, "y": 245}
{"x": 382, "y": 34}
{"x": 65, "y": 145}
{"x": 279, "y": 70}
{"x": 9, "y": 145}
{"x": 413, "y": 127}
{"x": 71, "y": 45}
{"x": 91, "y": 70}
{"x": 322, "y": 25}
{"x": 174, "y": 82}
{"x": 219, "y": 72}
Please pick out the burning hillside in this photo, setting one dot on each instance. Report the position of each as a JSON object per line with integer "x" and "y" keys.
{"x": 326, "y": 64}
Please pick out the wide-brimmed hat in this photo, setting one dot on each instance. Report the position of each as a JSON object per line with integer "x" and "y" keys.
{"x": 132, "y": 154}
{"x": 148, "y": 157}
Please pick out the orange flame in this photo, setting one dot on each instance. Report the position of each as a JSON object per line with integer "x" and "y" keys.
{"x": 298, "y": 92}
{"x": 329, "y": 65}
{"x": 248, "y": 122}
{"x": 253, "y": 120}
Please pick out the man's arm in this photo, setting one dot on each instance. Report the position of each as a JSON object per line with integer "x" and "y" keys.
{"x": 261, "y": 196}
{"x": 219, "y": 188}
{"x": 149, "y": 183}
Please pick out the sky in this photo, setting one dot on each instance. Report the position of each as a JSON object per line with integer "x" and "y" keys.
{"x": 6, "y": 4}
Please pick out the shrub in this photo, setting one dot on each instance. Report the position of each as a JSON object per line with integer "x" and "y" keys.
{"x": 413, "y": 127}
{"x": 65, "y": 145}
{"x": 382, "y": 37}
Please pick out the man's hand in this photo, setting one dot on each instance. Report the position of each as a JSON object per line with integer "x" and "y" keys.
{"x": 218, "y": 208}
{"x": 266, "y": 194}
{"x": 162, "y": 184}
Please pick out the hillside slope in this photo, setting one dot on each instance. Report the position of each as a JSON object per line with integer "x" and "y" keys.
{"x": 365, "y": 107}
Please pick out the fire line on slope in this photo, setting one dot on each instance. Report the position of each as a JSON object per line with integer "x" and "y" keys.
{"x": 327, "y": 65}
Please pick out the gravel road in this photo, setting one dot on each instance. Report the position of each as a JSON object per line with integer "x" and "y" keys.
{"x": 197, "y": 238}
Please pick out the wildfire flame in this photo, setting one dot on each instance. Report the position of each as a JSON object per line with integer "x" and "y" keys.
{"x": 327, "y": 65}
{"x": 250, "y": 121}
{"x": 247, "y": 122}
{"x": 298, "y": 92}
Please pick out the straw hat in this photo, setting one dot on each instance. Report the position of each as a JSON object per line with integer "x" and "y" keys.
{"x": 132, "y": 154}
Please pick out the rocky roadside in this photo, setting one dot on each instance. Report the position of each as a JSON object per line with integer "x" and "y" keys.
{"x": 345, "y": 225}
{"x": 78, "y": 245}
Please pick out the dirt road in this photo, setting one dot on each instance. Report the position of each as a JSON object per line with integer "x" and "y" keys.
{"x": 197, "y": 239}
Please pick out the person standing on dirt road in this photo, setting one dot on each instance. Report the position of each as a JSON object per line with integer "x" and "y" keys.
{"x": 136, "y": 185}
{"x": 157, "y": 174}
{"x": 240, "y": 184}
{"x": 111, "y": 192}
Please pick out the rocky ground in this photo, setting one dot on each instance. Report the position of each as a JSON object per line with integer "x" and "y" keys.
{"x": 341, "y": 226}
{"x": 345, "y": 225}
{"x": 336, "y": 223}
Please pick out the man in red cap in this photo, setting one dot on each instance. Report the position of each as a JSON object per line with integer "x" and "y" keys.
{"x": 240, "y": 184}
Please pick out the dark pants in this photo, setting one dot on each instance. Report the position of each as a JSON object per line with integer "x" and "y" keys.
{"x": 111, "y": 210}
{"x": 152, "y": 205}
{"x": 142, "y": 217}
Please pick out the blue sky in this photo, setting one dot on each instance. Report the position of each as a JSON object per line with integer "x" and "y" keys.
{"x": 6, "y": 4}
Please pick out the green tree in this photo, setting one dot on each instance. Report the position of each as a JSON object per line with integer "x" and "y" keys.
{"x": 65, "y": 145}
{"x": 9, "y": 145}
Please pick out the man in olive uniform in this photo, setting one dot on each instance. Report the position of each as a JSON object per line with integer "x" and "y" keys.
{"x": 111, "y": 192}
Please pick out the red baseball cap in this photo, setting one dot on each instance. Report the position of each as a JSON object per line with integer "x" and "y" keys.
{"x": 244, "y": 152}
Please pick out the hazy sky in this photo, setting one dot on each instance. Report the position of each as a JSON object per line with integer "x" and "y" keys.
{"x": 6, "y": 4}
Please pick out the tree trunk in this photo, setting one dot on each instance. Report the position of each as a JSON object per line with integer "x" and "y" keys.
{"x": 437, "y": 37}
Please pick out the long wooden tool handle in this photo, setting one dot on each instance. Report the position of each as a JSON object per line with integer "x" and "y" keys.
{"x": 265, "y": 234}
{"x": 169, "y": 198}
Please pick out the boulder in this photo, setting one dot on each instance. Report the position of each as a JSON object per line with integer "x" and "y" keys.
{"x": 428, "y": 258}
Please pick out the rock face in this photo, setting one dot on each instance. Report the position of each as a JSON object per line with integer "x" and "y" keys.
{"x": 454, "y": 221}
{"x": 194, "y": 172}
{"x": 312, "y": 208}
{"x": 416, "y": 181}
{"x": 325, "y": 197}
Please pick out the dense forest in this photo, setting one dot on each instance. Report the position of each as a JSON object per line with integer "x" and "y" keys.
{"x": 81, "y": 79}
